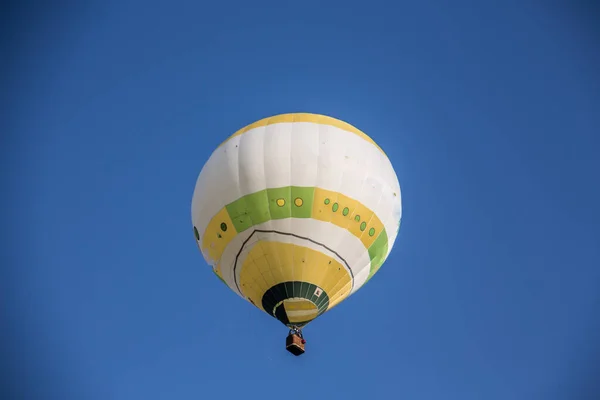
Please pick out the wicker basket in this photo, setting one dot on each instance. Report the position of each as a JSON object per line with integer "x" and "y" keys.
{"x": 294, "y": 344}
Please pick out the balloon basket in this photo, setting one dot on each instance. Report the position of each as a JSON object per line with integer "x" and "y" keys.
{"x": 294, "y": 343}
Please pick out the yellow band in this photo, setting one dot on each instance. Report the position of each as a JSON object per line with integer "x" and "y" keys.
{"x": 306, "y": 117}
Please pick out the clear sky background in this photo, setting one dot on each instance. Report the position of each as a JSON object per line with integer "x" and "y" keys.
{"x": 488, "y": 111}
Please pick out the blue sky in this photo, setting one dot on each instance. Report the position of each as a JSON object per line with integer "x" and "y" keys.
{"x": 489, "y": 113}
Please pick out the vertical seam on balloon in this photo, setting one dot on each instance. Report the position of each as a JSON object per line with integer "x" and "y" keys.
{"x": 264, "y": 255}
{"x": 279, "y": 263}
{"x": 291, "y": 135}
{"x": 339, "y": 242}
{"x": 383, "y": 229}
{"x": 293, "y": 220}
{"x": 243, "y": 198}
{"x": 264, "y": 145}
{"x": 268, "y": 202}
{"x": 249, "y": 216}
{"x": 323, "y": 269}
{"x": 237, "y": 186}
{"x": 366, "y": 177}
{"x": 277, "y": 254}
{"x": 362, "y": 185}
{"x": 314, "y": 189}
{"x": 316, "y": 182}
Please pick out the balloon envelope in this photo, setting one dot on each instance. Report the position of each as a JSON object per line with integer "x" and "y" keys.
{"x": 296, "y": 212}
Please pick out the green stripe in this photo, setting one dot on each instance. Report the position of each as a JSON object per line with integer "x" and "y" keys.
{"x": 262, "y": 206}
{"x": 250, "y": 210}
{"x": 378, "y": 253}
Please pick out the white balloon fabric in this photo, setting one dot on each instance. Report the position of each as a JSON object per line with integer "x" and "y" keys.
{"x": 296, "y": 212}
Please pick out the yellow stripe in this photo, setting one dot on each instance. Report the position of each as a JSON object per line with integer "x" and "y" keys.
{"x": 270, "y": 263}
{"x": 323, "y": 210}
{"x": 306, "y": 117}
{"x": 214, "y": 239}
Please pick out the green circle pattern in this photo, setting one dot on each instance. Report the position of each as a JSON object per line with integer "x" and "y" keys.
{"x": 335, "y": 207}
{"x": 345, "y": 212}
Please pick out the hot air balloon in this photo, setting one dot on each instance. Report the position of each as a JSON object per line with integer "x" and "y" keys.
{"x": 295, "y": 213}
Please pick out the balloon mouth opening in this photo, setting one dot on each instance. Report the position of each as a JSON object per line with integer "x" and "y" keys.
{"x": 296, "y": 310}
